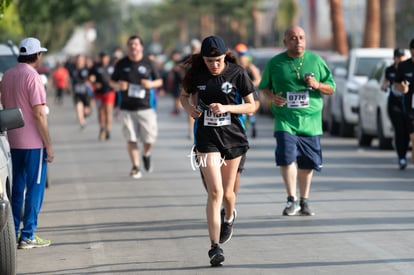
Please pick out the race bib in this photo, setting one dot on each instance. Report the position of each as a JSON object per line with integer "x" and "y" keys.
{"x": 298, "y": 99}
{"x": 136, "y": 91}
{"x": 213, "y": 120}
{"x": 80, "y": 88}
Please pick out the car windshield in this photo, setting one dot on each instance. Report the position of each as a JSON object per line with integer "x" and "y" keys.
{"x": 6, "y": 62}
{"x": 365, "y": 65}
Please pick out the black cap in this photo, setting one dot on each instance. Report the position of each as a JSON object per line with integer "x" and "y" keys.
{"x": 102, "y": 54}
{"x": 399, "y": 52}
{"x": 213, "y": 46}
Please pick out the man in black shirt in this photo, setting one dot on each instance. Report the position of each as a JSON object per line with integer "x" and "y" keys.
{"x": 136, "y": 77}
{"x": 395, "y": 109}
{"x": 404, "y": 82}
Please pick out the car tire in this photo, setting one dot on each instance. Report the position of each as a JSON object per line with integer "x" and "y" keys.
{"x": 384, "y": 143}
{"x": 364, "y": 140}
{"x": 345, "y": 129}
{"x": 333, "y": 126}
{"x": 8, "y": 247}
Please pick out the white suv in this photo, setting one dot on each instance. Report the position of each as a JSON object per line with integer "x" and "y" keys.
{"x": 373, "y": 114}
{"x": 345, "y": 100}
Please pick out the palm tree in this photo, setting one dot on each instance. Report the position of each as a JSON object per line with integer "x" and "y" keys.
{"x": 388, "y": 35}
{"x": 338, "y": 27}
{"x": 372, "y": 25}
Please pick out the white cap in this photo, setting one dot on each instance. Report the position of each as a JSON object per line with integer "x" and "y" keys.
{"x": 29, "y": 46}
{"x": 195, "y": 43}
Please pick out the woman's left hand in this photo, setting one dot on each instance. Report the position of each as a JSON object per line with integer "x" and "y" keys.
{"x": 217, "y": 108}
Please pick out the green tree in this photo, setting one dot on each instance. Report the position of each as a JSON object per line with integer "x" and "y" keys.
{"x": 53, "y": 21}
{"x": 3, "y": 6}
{"x": 10, "y": 27}
{"x": 175, "y": 22}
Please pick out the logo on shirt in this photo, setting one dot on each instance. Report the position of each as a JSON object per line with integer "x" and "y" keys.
{"x": 226, "y": 87}
{"x": 201, "y": 87}
{"x": 142, "y": 69}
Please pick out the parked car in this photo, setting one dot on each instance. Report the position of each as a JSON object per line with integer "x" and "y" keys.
{"x": 335, "y": 62}
{"x": 9, "y": 119}
{"x": 373, "y": 119}
{"x": 8, "y": 57}
{"x": 345, "y": 100}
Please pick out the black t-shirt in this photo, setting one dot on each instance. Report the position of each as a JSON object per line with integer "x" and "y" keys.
{"x": 227, "y": 88}
{"x": 405, "y": 72}
{"x": 79, "y": 78}
{"x": 103, "y": 76}
{"x": 390, "y": 74}
{"x": 136, "y": 98}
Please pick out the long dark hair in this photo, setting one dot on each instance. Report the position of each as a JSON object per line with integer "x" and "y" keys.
{"x": 195, "y": 65}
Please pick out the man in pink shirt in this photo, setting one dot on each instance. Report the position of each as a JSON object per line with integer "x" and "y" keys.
{"x": 31, "y": 145}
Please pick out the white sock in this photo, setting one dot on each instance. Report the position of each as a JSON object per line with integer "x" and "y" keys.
{"x": 229, "y": 221}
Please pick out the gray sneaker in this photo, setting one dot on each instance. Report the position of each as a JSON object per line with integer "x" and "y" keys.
{"x": 292, "y": 207}
{"x": 147, "y": 163}
{"x": 304, "y": 208}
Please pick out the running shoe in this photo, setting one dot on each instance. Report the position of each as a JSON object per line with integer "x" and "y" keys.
{"x": 147, "y": 163}
{"x": 102, "y": 135}
{"x": 35, "y": 243}
{"x": 402, "y": 163}
{"x": 135, "y": 173}
{"x": 226, "y": 230}
{"x": 292, "y": 207}
{"x": 222, "y": 214}
{"x": 304, "y": 208}
{"x": 216, "y": 255}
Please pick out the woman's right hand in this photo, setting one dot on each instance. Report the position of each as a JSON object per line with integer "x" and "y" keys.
{"x": 195, "y": 113}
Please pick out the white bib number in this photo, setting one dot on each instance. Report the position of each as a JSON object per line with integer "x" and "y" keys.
{"x": 298, "y": 99}
{"x": 136, "y": 91}
{"x": 80, "y": 88}
{"x": 211, "y": 119}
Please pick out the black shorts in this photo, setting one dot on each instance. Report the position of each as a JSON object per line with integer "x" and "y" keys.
{"x": 84, "y": 98}
{"x": 226, "y": 153}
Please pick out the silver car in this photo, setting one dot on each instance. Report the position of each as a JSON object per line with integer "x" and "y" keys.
{"x": 9, "y": 119}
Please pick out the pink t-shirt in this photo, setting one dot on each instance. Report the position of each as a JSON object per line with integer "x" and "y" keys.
{"x": 22, "y": 87}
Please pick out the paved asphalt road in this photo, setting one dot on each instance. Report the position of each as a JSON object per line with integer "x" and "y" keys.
{"x": 103, "y": 222}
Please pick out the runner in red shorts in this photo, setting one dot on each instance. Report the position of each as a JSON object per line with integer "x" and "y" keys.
{"x": 104, "y": 94}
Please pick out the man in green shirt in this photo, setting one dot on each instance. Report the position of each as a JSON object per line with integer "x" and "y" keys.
{"x": 295, "y": 82}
